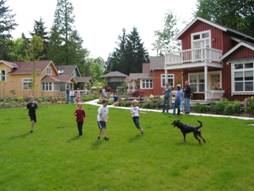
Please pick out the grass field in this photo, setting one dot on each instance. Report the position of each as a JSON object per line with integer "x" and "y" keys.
{"x": 53, "y": 158}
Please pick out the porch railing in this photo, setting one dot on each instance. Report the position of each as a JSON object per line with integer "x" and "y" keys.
{"x": 209, "y": 55}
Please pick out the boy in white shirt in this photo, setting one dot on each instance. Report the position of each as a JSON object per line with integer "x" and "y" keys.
{"x": 102, "y": 118}
{"x": 135, "y": 115}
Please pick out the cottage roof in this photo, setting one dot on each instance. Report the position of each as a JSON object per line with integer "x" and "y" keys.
{"x": 114, "y": 74}
{"x": 157, "y": 62}
{"x": 30, "y": 66}
{"x": 60, "y": 78}
{"x": 136, "y": 76}
{"x": 67, "y": 69}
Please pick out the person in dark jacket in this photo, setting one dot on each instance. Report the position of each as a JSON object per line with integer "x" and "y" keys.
{"x": 167, "y": 93}
{"x": 32, "y": 107}
{"x": 187, "y": 96}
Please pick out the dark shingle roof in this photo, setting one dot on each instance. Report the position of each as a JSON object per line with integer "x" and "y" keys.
{"x": 29, "y": 67}
{"x": 67, "y": 69}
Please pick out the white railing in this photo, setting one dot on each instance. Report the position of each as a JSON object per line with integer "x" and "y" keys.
{"x": 208, "y": 55}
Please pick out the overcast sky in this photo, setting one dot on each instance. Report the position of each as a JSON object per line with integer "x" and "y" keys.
{"x": 100, "y": 22}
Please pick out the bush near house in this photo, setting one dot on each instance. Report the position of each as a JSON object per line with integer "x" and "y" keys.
{"x": 250, "y": 105}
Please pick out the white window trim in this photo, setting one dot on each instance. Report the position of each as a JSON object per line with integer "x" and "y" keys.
{"x": 196, "y": 73}
{"x": 216, "y": 72}
{"x": 145, "y": 88}
{"x": 52, "y": 86}
{"x": 5, "y": 71}
{"x": 23, "y": 79}
{"x": 173, "y": 77}
{"x": 200, "y": 33}
{"x": 233, "y": 92}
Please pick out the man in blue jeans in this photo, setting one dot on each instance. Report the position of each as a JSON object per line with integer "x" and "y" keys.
{"x": 187, "y": 95}
{"x": 178, "y": 100}
{"x": 166, "y": 99}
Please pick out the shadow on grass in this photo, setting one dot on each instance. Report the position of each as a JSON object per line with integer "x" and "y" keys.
{"x": 135, "y": 138}
{"x": 75, "y": 138}
{"x": 190, "y": 144}
{"x": 97, "y": 144}
{"x": 24, "y": 135}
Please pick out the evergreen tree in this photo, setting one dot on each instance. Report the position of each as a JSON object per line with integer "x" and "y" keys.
{"x": 130, "y": 54}
{"x": 65, "y": 46}
{"x": 39, "y": 30}
{"x": 235, "y": 14}
{"x": 7, "y": 24}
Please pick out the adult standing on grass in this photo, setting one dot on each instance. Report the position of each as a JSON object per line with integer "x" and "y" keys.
{"x": 32, "y": 107}
{"x": 80, "y": 116}
{"x": 187, "y": 95}
{"x": 178, "y": 100}
{"x": 167, "y": 93}
{"x": 102, "y": 119}
{"x": 67, "y": 95}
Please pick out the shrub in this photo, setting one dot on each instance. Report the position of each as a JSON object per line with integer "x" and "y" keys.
{"x": 250, "y": 105}
{"x": 232, "y": 108}
{"x": 201, "y": 108}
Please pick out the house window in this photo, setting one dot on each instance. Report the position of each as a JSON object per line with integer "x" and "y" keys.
{"x": 197, "y": 82}
{"x": 243, "y": 77}
{"x": 49, "y": 71}
{"x": 27, "y": 84}
{"x": 47, "y": 86}
{"x": 3, "y": 75}
{"x": 146, "y": 84}
{"x": 170, "y": 82}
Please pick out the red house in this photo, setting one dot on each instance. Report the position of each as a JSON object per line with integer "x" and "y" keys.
{"x": 216, "y": 60}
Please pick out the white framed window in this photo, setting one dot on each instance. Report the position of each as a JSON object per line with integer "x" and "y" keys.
{"x": 170, "y": 82}
{"x": 3, "y": 75}
{"x": 27, "y": 83}
{"x": 197, "y": 82}
{"x": 47, "y": 86}
{"x": 146, "y": 84}
{"x": 49, "y": 71}
{"x": 243, "y": 77}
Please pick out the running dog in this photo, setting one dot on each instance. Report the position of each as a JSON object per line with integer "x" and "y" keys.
{"x": 185, "y": 129}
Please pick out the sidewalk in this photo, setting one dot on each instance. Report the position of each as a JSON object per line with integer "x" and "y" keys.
{"x": 94, "y": 102}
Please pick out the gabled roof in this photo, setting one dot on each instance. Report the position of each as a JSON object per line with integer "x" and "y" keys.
{"x": 30, "y": 66}
{"x": 67, "y": 69}
{"x": 60, "y": 78}
{"x": 245, "y": 44}
{"x": 223, "y": 28}
{"x": 115, "y": 74}
{"x": 10, "y": 64}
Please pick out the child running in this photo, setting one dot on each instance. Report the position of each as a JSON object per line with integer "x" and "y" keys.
{"x": 135, "y": 115}
{"x": 102, "y": 118}
{"x": 80, "y": 116}
{"x": 32, "y": 107}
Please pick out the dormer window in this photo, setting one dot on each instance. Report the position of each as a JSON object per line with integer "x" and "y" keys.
{"x": 49, "y": 71}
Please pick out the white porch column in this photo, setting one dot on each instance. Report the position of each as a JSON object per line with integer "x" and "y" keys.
{"x": 206, "y": 82}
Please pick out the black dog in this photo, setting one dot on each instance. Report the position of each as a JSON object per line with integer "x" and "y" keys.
{"x": 188, "y": 129}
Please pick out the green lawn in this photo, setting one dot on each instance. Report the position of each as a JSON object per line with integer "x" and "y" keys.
{"x": 53, "y": 158}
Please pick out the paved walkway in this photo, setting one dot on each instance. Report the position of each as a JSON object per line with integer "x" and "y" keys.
{"x": 94, "y": 102}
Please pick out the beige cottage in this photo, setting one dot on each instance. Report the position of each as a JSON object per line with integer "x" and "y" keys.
{"x": 19, "y": 78}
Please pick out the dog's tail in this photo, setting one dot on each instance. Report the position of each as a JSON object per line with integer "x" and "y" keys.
{"x": 200, "y": 124}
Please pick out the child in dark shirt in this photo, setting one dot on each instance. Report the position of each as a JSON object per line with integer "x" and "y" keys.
{"x": 32, "y": 107}
{"x": 80, "y": 115}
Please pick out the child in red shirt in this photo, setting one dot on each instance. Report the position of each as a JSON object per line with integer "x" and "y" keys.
{"x": 80, "y": 115}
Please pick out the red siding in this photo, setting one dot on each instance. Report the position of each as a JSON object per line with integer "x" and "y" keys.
{"x": 216, "y": 35}
{"x": 240, "y": 53}
{"x": 226, "y": 80}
